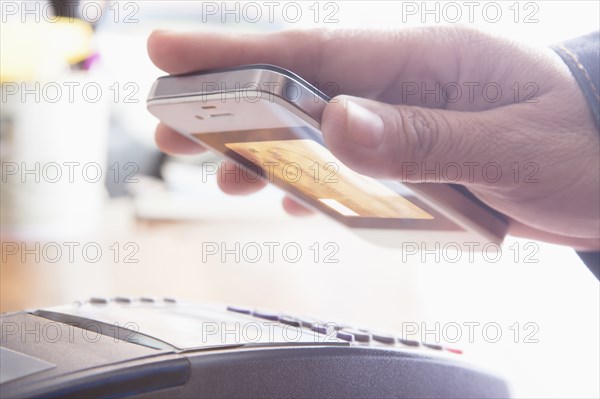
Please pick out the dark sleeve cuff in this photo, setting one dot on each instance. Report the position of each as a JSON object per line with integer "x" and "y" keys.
{"x": 582, "y": 56}
{"x": 592, "y": 261}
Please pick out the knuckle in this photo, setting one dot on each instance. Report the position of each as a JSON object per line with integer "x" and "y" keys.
{"x": 419, "y": 131}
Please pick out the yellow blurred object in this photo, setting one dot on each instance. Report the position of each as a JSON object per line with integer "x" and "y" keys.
{"x": 33, "y": 51}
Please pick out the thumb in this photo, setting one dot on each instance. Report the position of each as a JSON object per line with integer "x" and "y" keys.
{"x": 413, "y": 144}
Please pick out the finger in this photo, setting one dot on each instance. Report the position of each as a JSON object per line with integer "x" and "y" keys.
{"x": 294, "y": 208}
{"x": 337, "y": 59}
{"x": 173, "y": 143}
{"x": 413, "y": 144}
{"x": 181, "y": 52}
{"x": 237, "y": 180}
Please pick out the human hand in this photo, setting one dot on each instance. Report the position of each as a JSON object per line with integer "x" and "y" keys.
{"x": 506, "y": 105}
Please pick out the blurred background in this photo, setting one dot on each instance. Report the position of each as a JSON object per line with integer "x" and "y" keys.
{"x": 89, "y": 206}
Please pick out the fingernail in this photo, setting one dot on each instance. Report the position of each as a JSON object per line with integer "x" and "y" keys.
{"x": 365, "y": 128}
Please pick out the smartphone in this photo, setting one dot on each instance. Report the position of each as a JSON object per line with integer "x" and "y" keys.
{"x": 267, "y": 119}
